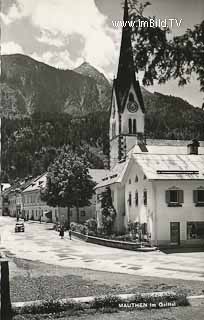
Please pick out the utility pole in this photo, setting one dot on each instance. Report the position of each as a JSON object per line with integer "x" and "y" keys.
{"x": 6, "y": 311}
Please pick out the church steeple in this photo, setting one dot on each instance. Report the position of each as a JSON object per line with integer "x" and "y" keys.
{"x": 126, "y": 72}
{"x": 127, "y": 106}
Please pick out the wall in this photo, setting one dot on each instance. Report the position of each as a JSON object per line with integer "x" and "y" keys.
{"x": 141, "y": 213}
{"x": 188, "y": 212}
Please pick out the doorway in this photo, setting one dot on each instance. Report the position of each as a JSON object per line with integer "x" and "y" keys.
{"x": 175, "y": 233}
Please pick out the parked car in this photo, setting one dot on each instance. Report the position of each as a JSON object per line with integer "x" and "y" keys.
{"x": 19, "y": 227}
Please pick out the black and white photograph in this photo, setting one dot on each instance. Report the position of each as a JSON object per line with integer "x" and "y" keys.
{"x": 102, "y": 159}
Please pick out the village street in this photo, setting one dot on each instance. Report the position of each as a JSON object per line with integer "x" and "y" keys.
{"x": 40, "y": 243}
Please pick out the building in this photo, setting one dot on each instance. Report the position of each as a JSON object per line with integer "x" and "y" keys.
{"x": 23, "y": 199}
{"x": 157, "y": 184}
{"x": 4, "y": 186}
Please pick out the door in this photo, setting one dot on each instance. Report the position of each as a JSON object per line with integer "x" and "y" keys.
{"x": 175, "y": 233}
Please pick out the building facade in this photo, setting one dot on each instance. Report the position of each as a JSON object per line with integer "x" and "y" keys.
{"x": 157, "y": 184}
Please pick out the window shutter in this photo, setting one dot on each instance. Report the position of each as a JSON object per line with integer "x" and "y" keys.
{"x": 180, "y": 196}
{"x": 167, "y": 196}
{"x": 195, "y": 196}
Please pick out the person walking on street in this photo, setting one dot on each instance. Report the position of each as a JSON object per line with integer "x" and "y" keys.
{"x": 61, "y": 232}
{"x": 70, "y": 234}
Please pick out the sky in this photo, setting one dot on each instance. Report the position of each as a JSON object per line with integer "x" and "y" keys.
{"x": 65, "y": 33}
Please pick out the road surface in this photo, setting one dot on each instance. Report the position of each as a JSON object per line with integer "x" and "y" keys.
{"x": 40, "y": 243}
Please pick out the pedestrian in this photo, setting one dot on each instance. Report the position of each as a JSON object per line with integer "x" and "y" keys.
{"x": 61, "y": 233}
{"x": 70, "y": 234}
{"x": 40, "y": 218}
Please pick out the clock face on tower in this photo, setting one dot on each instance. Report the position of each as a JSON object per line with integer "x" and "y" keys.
{"x": 132, "y": 106}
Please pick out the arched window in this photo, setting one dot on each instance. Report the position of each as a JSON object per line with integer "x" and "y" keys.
{"x": 113, "y": 129}
{"x": 130, "y": 199}
{"x": 136, "y": 198}
{"x": 134, "y": 126}
{"x": 131, "y": 97}
{"x": 130, "y": 126}
{"x": 136, "y": 178}
{"x": 129, "y": 181}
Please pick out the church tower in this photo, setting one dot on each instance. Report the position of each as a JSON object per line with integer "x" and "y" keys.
{"x": 127, "y": 106}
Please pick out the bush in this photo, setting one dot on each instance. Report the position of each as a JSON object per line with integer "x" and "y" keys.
{"x": 81, "y": 228}
{"x": 108, "y": 301}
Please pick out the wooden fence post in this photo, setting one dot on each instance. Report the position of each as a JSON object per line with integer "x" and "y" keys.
{"x": 6, "y": 312}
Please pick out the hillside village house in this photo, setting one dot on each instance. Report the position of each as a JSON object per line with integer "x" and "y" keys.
{"x": 158, "y": 184}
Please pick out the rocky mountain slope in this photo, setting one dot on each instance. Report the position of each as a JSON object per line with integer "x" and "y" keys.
{"x": 29, "y": 86}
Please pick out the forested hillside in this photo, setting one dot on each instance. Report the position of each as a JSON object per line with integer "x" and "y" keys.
{"x": 45, "y": 108}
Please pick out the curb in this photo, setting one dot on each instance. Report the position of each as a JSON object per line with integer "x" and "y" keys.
{"x": 125, "y": 298}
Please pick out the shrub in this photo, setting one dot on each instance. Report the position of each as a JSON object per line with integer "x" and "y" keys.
{"x": 106, "y": 302}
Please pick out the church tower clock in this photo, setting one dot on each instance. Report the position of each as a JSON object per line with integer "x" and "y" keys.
{"x": 127, "y": 106}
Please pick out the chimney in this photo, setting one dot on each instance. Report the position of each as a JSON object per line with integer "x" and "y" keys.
{"x": 192, "y": 148}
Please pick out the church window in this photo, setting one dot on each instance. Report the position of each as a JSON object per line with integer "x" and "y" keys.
{"x": 131, "y": 97}
{"x": 145, "y": 197}
{"x": 113, "y": 130}
{"x": 136, "y": 199}
{"x": 134, "y": 126}
{"x": 130, "y": 199}
{"x": 130, "y": 125}
{"x": 136, "y": 178}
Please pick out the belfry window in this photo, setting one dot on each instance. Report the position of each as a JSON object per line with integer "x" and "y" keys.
{"x": 131, "y": 97}
{"x": 113, "y": 130}
{"x": 134, "y": 126}
{"x": 130, "y": 126}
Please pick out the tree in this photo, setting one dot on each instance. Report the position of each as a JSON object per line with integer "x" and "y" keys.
{"x": 107, "y": 210}
{"x": 162, "y": 57}
{"x": 68, "y": 181}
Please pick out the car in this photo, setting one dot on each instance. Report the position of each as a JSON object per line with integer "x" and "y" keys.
{"x": 19, "y": 227}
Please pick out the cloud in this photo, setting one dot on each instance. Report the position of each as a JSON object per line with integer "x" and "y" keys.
{"x": 59, "y": 60}
{"x": 60, "y": 19}
{"x": 11, "y": 48}
{"x": 50, "y": 40}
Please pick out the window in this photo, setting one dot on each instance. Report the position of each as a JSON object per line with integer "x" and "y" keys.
{"x": 144, "y": 177}
{"x": 130, "y": 199}
{"x": 136, "y": 199}
{"x": 134, "y": 126}
{"x": 145, "y": 197}
{"x": 195, "y": 230}
{"x": 198, "y": 197}
{"x": 130, "y": 125}
{"x": 130, "y": 181}
{"x": 83, "y": 213}
{"x": 174, "y": 198}
{"x": 131, "y": 97}
{"x": 136, "y": 178}
{"x": 113, "y": 129}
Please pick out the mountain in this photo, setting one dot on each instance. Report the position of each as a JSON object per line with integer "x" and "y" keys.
{"x": 29, "y": 86}
{"x": 103, "y": 86}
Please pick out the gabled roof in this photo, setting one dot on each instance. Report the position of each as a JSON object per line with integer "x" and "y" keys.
{"x": 115, "y": 175}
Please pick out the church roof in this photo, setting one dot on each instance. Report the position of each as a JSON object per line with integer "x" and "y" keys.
{"x": 126, "y": 70}
{"x": 171, "y": 166}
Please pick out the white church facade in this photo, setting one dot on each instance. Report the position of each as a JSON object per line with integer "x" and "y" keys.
{"x": 157, "y": 183}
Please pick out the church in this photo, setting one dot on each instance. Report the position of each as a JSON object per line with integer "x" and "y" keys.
{"x": 158, "y": 184}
